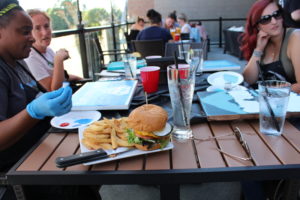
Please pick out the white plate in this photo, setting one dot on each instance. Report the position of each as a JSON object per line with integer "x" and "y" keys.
{"x": 152, "y": 57}
{"x": 213, "y": 88}
{"x": 131, "y": 153}
{"x": 75, "y": 119}
{"x": 219, "y": 79}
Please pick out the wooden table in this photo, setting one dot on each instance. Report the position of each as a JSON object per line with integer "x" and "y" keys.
{"x": 189, "y": 162}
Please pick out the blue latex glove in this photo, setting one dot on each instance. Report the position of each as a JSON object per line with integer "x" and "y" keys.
{"x": 55, "y": 103}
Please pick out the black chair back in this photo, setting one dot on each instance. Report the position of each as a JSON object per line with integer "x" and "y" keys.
{"x": 185, "y": 36}
{"x": 149, "y": 47}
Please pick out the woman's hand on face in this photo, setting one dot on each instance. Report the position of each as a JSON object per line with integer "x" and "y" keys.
{"x": 262, "y": 40}
{"x": 62, "y": 54}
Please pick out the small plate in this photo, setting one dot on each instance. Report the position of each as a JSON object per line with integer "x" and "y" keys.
{"x": 153, "y": 57}
{"x": 75, "y": 119}
{"x": 219, "y": 79}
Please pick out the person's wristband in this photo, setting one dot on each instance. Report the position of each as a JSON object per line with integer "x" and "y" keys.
{"x": 257, "y": 53}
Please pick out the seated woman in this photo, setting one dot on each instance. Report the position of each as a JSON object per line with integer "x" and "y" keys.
{"x": 182, "y": 20}
{"x": 155, "y": 31}
{"x": 138, "y": 25}
{"x": 171, "y": 21}
{"x": 24, "y": 107}
{"x": 25, "y": 104}
{"x": 46, "y": 66}
{"x": 267, "y": 41}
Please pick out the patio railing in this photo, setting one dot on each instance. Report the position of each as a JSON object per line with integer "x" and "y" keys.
{"x": 111, "y": 37}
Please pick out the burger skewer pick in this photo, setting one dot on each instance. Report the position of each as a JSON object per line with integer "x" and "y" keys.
{"x": 146, "y": 97}
{"x": 148, "y": 128}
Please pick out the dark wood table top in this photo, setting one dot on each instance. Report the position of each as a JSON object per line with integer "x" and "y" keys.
{"x": 274, "y": 157}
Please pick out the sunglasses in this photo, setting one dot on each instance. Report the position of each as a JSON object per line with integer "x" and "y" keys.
{"x": 237, "y": 132}
{"x": 267, "y": 18}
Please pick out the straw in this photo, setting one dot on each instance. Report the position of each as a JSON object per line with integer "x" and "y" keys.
{"x": 265, "y": 98}
{"x": 180, "y": 91}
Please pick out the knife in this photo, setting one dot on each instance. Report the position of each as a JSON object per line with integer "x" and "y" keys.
{"x": 62, "y": 162}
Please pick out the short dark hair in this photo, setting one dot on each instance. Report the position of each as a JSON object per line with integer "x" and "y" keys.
{"x": 7, "y": 9}
{"x": 154, "y": 16}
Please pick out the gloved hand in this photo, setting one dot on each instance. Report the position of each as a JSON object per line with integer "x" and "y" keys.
{"x": 55, "y": 103}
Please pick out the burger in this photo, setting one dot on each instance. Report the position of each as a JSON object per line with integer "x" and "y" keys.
{"x": 148, "y": 127}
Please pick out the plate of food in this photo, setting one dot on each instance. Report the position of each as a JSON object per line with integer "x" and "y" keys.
{"x": 223, "y": 79}
{"x": 144, "y": 131}
{"x": 75, "y": 119}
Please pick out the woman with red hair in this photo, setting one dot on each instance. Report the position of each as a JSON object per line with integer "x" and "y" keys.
{"x": 266, "y": 40}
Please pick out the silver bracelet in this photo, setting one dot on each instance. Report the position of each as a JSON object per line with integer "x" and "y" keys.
{"x": 257, "y": 53}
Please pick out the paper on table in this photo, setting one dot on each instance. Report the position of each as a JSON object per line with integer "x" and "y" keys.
{"x": 250, "y": 104}
{"x": 245, "y": 100}
{"x": 294, "y": 105}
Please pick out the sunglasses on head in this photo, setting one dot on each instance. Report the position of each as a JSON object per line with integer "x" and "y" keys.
{"x": 267, "y": 18}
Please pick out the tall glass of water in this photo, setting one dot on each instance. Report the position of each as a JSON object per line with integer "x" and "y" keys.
{"x": 181, "y": 83}
{"x": 273, "y": 102}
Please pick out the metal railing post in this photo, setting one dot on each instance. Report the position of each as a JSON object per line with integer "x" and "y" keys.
{"x": 82, "y": 46}
{"x": 220, "y": 31}
{"x": 114, "y": 38}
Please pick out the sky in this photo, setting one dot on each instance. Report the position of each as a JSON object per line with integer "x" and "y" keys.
{"x": 44, "y": 5}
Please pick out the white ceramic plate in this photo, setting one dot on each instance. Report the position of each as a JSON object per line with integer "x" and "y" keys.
{"x": 130, "y": 153}
{"x": 75, "y": 119}
{"x": 152, "y": 57}
{"x": 219, "y": 79}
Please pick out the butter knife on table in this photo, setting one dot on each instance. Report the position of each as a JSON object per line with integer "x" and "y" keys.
{"x": 62, "y": 162}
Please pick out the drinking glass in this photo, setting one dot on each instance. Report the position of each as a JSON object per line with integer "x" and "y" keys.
{"x": 183, "y": 49}
{"x": 273, "y": 102}
{"x": 195, "y": 58}
{"x": 181, "y": 83}
{"x": 130, "y": 66}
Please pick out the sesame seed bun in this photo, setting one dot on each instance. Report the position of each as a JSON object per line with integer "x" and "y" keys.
{"x": 148, "y": 118}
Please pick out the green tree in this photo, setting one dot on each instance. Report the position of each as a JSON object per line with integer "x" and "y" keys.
{"x": 96, "y": 17}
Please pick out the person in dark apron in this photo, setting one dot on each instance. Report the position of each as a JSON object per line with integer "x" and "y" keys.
{"x": 267, "y": 41}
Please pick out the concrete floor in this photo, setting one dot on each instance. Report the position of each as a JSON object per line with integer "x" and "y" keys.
{"x": 209, "y": 191}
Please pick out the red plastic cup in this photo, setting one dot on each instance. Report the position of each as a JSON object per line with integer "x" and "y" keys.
{"x": 150, "y": 78}
{"x": 176, "y": 37}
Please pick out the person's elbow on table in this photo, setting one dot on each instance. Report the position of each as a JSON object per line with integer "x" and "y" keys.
{"x": 55, "y": 103}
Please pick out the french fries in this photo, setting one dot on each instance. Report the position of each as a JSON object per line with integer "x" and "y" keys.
{"x": 106, "y": 134}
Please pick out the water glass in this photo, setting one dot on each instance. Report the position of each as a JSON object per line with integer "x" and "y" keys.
{"x": 130, "y": 66}
{"x": 273, "y": 102}
{"x": 183, "y": 49}
{"x": 181, "y": 83}
{"x": 195, "y": 58}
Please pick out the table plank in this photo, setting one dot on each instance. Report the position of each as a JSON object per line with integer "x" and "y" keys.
{"x": 41, "y": 154}
{"x": 279, "y": 146}
{"x": 183, "y": 155}
{"x": 260, "y": 152}
{"x": 206, "y": 150}
{"x": 133, "y": 163}
{"x": 229, "y": 144}
{"x": 158, "y": 161}
{"x": 291, "y": 134}
{"x": 67, "y": 147}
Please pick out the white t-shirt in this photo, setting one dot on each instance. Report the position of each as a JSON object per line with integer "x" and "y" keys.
{"x": 186, "y": 28}
{"x": 39, "y": 66}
